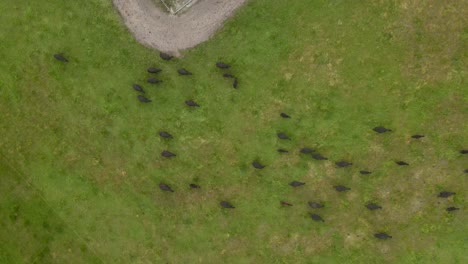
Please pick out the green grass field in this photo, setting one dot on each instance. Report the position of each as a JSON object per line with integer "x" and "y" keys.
{"x": 80, "y": 157}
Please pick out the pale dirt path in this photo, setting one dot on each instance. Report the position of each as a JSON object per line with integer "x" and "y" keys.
{"x": 157, "y": 29}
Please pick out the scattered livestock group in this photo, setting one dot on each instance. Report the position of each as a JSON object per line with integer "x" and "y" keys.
{"x": 256, "y": 164}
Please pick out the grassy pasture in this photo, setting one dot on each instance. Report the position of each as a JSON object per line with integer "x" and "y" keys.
{"x": 79, "y": 156}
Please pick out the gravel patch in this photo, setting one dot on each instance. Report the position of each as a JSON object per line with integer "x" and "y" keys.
{"x": 157, "y": 29}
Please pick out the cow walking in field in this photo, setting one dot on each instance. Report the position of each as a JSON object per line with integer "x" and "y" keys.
{"x": 138, "y": 88}
{"x": 165, "y": 187}
{"x": 165, "y": 56}
{"x": 225, "y": 204}
{"x": 183, "y": 71}
{"x": 60, "y": 57}
{"x": 143, "y": 99}
{"x": 167, "y": 154}
{"x": 191, "y": 103}
{"x": 164, "y": 134}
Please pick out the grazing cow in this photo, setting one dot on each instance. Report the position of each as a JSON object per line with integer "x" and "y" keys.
{"x": 315, "y": 205}
{"x": 341, "y": 188}
{"x": 153, "y": 70}
{"x": 282, "y": 136}
{"x": 306, "y": 150}
{"x": 165, "y": 187}
{"x": 381, "y": 129}
{"x": 464, "y": 151}
{"x": 282, "y": 151}
{"x": 222, "y": 65}
{"x": 317, "y": 156}
{"x": 284, "y": 115}
{"x": 445, "y": 194}
{"x": 235, "y": 83}
{"x": 373, "y": 206}
{"x": 284, "y": 203}
{"x": 296, "y": 183}
{"x": 316, "y": 217}
{"x": 225, "y": 204}
{"x": 343, "y": 164}
{"x": 417, "y": 136}
{"x": 165, "y": 56}
{"x": 382, "y": 236}
{"x": 194, "y": 186}
{"x": 138, "y": 88}
{"x": 465, "y": 171}
{"x": 153, "y": 80}
{"x": 365, "y": 172}
{"x": 228, "y": 75}
{"x": 183, "y": 71}
{"x": 257, "y": 165}
{"x": 164, "y": 134}
{"x": 191, "y": 103}
{"x": 143, "y": 99}
{"x": 60, "y": 57}
{"x": 451, "y": 209}
{"x": 401, "y": 163}
{"x": 167, "y": 154}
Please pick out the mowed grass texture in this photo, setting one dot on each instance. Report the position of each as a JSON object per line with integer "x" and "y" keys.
{"x": 80, "y": 156}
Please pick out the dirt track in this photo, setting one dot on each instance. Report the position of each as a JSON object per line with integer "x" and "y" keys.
{"x": 159, "y": 30}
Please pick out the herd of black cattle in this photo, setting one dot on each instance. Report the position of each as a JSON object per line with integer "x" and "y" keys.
{"x": 281, "y": 135}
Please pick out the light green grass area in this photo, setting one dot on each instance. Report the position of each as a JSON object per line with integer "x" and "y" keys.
{"x": 80, "y": 157}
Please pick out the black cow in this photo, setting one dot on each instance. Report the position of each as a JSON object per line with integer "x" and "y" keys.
{"x": 225, "y": 204}
{"x": 341, "y": 188}
{"x": 164, "y": 134}
{"x": 143, "y": 99}
{"x": 191, "y": 103}
{"x": 138, "y": 88}
{"x": 381, "y": 129}
{"x": 284, "y": 115}
{"x": 183, "y": 71}
{"x": 316, "y": 217}
{"x": 417, "y": 136}
{"x": 282, "y": 136}
{"x": 165, "y": 56}
{"x": 343, "y": 164}
{"x": 60, "y": 57}
{"x": 284, "y": 203}
{"x": 452, "y": 208}
{"x": 464, "y": 151}
{"x": 228, "y": 75}
{"x": 167, "y": 154}
{"x": 153, "y": 80}
{"x": 153, "y": 70}
{"x": 165, "y": 187}
{"x": 306, "y": 150}
{"x": 401, "y": 163}
{"x": 373, "y": 206}
{"x": 222, "y": 65}
{"x": 382, "y": 236}
{"x": 235, "y": 83}
{"x": 282, "y": 151}
{"x": 445, "y": 194}
{"x": 317, "y": 156}
{"x": 296, "y": 183}
{"x": 315, "y": 205}
{"x": 194, "y": 186}
{"x": 365, "y": 172}
{"x": 257, "y": 165}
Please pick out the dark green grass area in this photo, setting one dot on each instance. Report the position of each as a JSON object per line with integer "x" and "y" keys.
{"x": 32, "y": 232}
{"x": 80, "y": 156}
